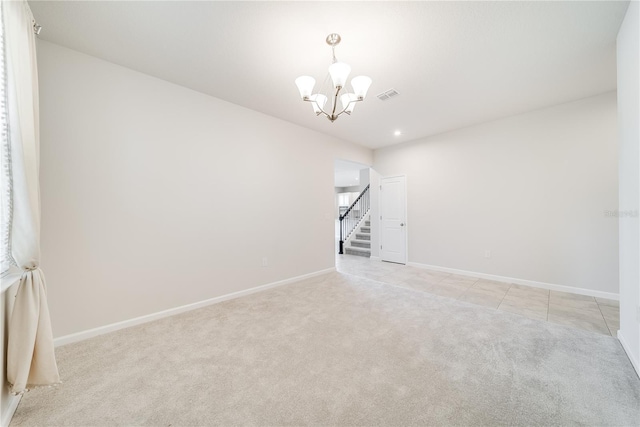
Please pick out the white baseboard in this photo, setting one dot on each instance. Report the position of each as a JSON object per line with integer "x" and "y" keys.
{"x": 627, "y": 349}
{"x": 10, "y": 409}
{"x": 90, "y": 333}
{"x": 532, "y": 283}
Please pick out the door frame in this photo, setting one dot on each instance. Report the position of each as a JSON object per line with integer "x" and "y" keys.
{"x": 406, "y": 214}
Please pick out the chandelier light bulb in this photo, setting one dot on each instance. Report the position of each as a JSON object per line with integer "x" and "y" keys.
{"x": 339, "y": 72}
{"x": 305, "y": 86}
{"x": 360, "y": 86}
{"x": 318, "y": 102}
{"x": 348, "y": 102}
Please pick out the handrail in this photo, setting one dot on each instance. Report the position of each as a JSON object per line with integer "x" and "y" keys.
{"x": 354, "y": 202}
{"x": 352, "y": 216}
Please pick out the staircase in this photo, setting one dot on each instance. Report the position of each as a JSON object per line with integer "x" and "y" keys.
{"x": 360, "y": 245}
{"x": 355, "y": 220}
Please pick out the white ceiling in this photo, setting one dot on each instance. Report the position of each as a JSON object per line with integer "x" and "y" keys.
{"x": 454, "y": 63}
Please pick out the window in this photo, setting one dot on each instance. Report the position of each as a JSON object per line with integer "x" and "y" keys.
{"x": 6, "y": 260}
{"x": 343, "y": 199}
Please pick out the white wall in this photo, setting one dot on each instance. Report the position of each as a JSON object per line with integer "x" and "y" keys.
{"x": 531, "y": 188}
{"x": 364, "y": 178}
{"x": 374, "y": 177}
{"x": 155, "y": 196}
{"x": 628, "y": 57}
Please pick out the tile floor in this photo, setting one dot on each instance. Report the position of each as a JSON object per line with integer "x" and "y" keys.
{"x": 578, "y": 311}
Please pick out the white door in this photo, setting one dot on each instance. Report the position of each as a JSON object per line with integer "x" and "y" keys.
{"x": 393, "y": 219}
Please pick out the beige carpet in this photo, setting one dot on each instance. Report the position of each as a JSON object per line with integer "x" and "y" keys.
{"x": 341, "y": 350}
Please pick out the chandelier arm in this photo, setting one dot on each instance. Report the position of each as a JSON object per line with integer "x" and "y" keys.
{"x": 344, "y": 110}
{"x": 321, "y": 109}
{"x": 335, "y": 101}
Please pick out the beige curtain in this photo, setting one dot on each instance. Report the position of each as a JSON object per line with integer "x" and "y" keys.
{"x": 30, "y": 355}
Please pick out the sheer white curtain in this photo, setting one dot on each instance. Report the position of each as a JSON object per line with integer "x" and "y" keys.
{"x": 30, "y": 355}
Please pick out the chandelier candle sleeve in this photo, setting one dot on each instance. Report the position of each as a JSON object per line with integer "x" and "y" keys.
{"x": 330, "y": 95}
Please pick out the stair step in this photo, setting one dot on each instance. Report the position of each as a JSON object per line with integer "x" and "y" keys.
{"x": 363, "y": 236}
{"x": 357, "y": 251}
{"x": 365, "y": 229}
{"x": 361, "y": 243}
{"x": 367, "y": 223}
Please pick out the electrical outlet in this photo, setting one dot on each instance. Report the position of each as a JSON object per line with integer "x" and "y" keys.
{"x": 487, "y": 253}
{"x": 265, "y": 262}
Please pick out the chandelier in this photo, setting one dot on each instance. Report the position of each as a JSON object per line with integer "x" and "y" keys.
{"x": 338, "y": 72}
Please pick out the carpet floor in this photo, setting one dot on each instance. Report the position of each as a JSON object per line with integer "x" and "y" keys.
{"x": 340, "y": 350}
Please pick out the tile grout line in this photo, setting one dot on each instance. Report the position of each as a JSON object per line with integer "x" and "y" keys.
{"x": 459, "y": 298}
{"x": 467, "y": 290}
{"x": 603, "y": 318}
{"x": 548, "y": 305}
{"x": 504, "y": 296}
{"x": 587, "y": 320}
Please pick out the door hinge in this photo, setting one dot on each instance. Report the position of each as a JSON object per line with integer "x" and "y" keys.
{"x": 380, "y": 216}
{"x": 380, "y": 246}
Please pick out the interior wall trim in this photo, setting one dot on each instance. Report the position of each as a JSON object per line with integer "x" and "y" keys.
{"x": 627, "y": 349}
{"x": 90, "y": 333}
{"x": 524, "y": 282}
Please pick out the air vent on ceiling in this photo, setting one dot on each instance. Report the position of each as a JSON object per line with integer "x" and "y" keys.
{"x": 387, "y": 94}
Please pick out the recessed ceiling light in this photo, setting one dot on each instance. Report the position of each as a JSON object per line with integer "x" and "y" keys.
{"x": 397, "y": 133}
